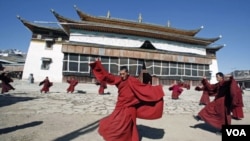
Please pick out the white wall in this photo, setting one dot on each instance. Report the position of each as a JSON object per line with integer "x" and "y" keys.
{"x": 214, "y": 69}
{"x": 34, "y": 60}
{"x": 133, "y": 41}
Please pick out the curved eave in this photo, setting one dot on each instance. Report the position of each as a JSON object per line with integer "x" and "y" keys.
{"x": 209, "y": 39}
{"x": 85, "y": 17}
{"x": 64, "y": 21}
{"x": 34, "y": 27}
{"x": 91, "y": 26}
{"x": 215, "y": 48}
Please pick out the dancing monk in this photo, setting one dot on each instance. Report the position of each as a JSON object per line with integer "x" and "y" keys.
{"x": 135, "y": 100}
{"x": 72, "y": 84}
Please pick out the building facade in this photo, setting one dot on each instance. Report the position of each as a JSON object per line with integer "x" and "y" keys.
{"x": 169, "y": 54}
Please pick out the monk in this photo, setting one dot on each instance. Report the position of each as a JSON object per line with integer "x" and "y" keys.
{"x": 218, "y": 112}
{"x": 6, "y": 80}
{"x": 46, "y": 85}
{"x": 72, "y": 83}
{"x": 237, "y": 109}
{"x": 205, "y": 97}
{"x": 176, "y": 89}
{"x": 135, "y": 100}
{"x": 103, "y": 85}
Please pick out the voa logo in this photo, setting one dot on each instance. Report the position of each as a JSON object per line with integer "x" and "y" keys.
{"x": 236, "y": 132}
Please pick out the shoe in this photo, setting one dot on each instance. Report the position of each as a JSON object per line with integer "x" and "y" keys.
{"x": 197, "y": 118}
{"x": 194, "y": 126}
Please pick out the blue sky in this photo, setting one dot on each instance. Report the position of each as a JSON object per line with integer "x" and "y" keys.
{"x": 229, "y": 18}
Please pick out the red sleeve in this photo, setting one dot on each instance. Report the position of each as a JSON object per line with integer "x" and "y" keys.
{"x": 151, "y": 99}
{"x": 102, "y": 75}
{"x": 210, "y": 87}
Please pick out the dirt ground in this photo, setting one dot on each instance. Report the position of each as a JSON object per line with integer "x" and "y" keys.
{"x": 26, "y": 115}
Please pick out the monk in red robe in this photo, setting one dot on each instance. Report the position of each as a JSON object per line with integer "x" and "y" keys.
{"x": 135, "y": 100}
{"x": 218, "y": 112}
{"x": 205, "y": 97}
{"x": 103, "y": 85}
{"x": 6, "y": 80}
{"x": 237, "y": 109}
{"x": 46, "y": 85}
{"x": 176, "y": 89}
{"x": 72, "y": 84}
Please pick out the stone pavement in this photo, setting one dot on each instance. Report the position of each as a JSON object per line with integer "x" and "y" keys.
{"x": 61, "y": 113}
{"x": 85, "y": 100}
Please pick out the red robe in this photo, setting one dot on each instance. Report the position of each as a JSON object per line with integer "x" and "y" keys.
{"x": 237, "y": 105}
{"x": 135, "y": 100}
{"x": 6, "y": 86}
{"x": 46, "y": 85}
{"x": 217, "y": 112}
{"x": 103, "y": 85}
{"x": 72, "y": 84}
{"x": 176, "y": 91}
{"x": 205, "y": 97}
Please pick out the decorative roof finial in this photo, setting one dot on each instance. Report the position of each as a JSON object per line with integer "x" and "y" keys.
{"x": 140, "y": 18}
{"x": 168, "y": 24}
{"x": 108, "y": 14}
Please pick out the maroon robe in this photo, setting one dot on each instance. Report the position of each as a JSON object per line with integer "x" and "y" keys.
{"x": 237, "y": 105}
{"x": 46, "y": 85}
{"x": 176, "y": 90}
{"x": 6, "y": 86}
{"x": 205, "y": 97}
{"x": 103, "y": 85}
{"x": 217, "y": 112}
{"x": 72, "y": 84}
{"x": 135, "y": 100}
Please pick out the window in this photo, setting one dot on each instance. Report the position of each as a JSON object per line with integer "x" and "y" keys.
{"x": 49, "y": 43}
{"x": 46, "y": 63}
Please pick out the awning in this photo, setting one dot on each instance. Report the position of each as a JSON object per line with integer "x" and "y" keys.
{"x": 46, "y": 59}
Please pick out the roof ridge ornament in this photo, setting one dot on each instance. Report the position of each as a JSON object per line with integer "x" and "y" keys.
{"x": 168, "y": 23}
{"x": 140, "y": 18}
{"x": 108, "y": 14}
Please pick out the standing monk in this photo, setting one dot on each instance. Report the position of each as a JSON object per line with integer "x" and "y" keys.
{"x": 135, "y": 100}
{"x": 205, "y": 97}
{"x": 237, "y": 109}
{"x": 218, "y": 112}
{"x": 72, "y": 83}
{"x": 46, "y": 85}
{"x": 6, "y": 80}
{"x": 176, "y": 90}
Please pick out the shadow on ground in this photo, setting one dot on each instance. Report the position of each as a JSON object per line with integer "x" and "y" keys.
{"x": 7, "y": 99}
{"x": 18, "y": 127}
{"x": 70, "y": 136}
{"x": 205, "y": 127}
{"x": 149, "y": 132}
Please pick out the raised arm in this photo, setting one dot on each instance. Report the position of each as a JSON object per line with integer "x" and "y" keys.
{"x": 206, "y": 84}
{"x": 102, "y": 74}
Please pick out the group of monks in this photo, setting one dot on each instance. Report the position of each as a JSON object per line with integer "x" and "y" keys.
{"x": 236, "y": 97}
{"x": 47, "y": 84}
{"x": 138, "y": 100}
{"x": 227, "y": 103}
